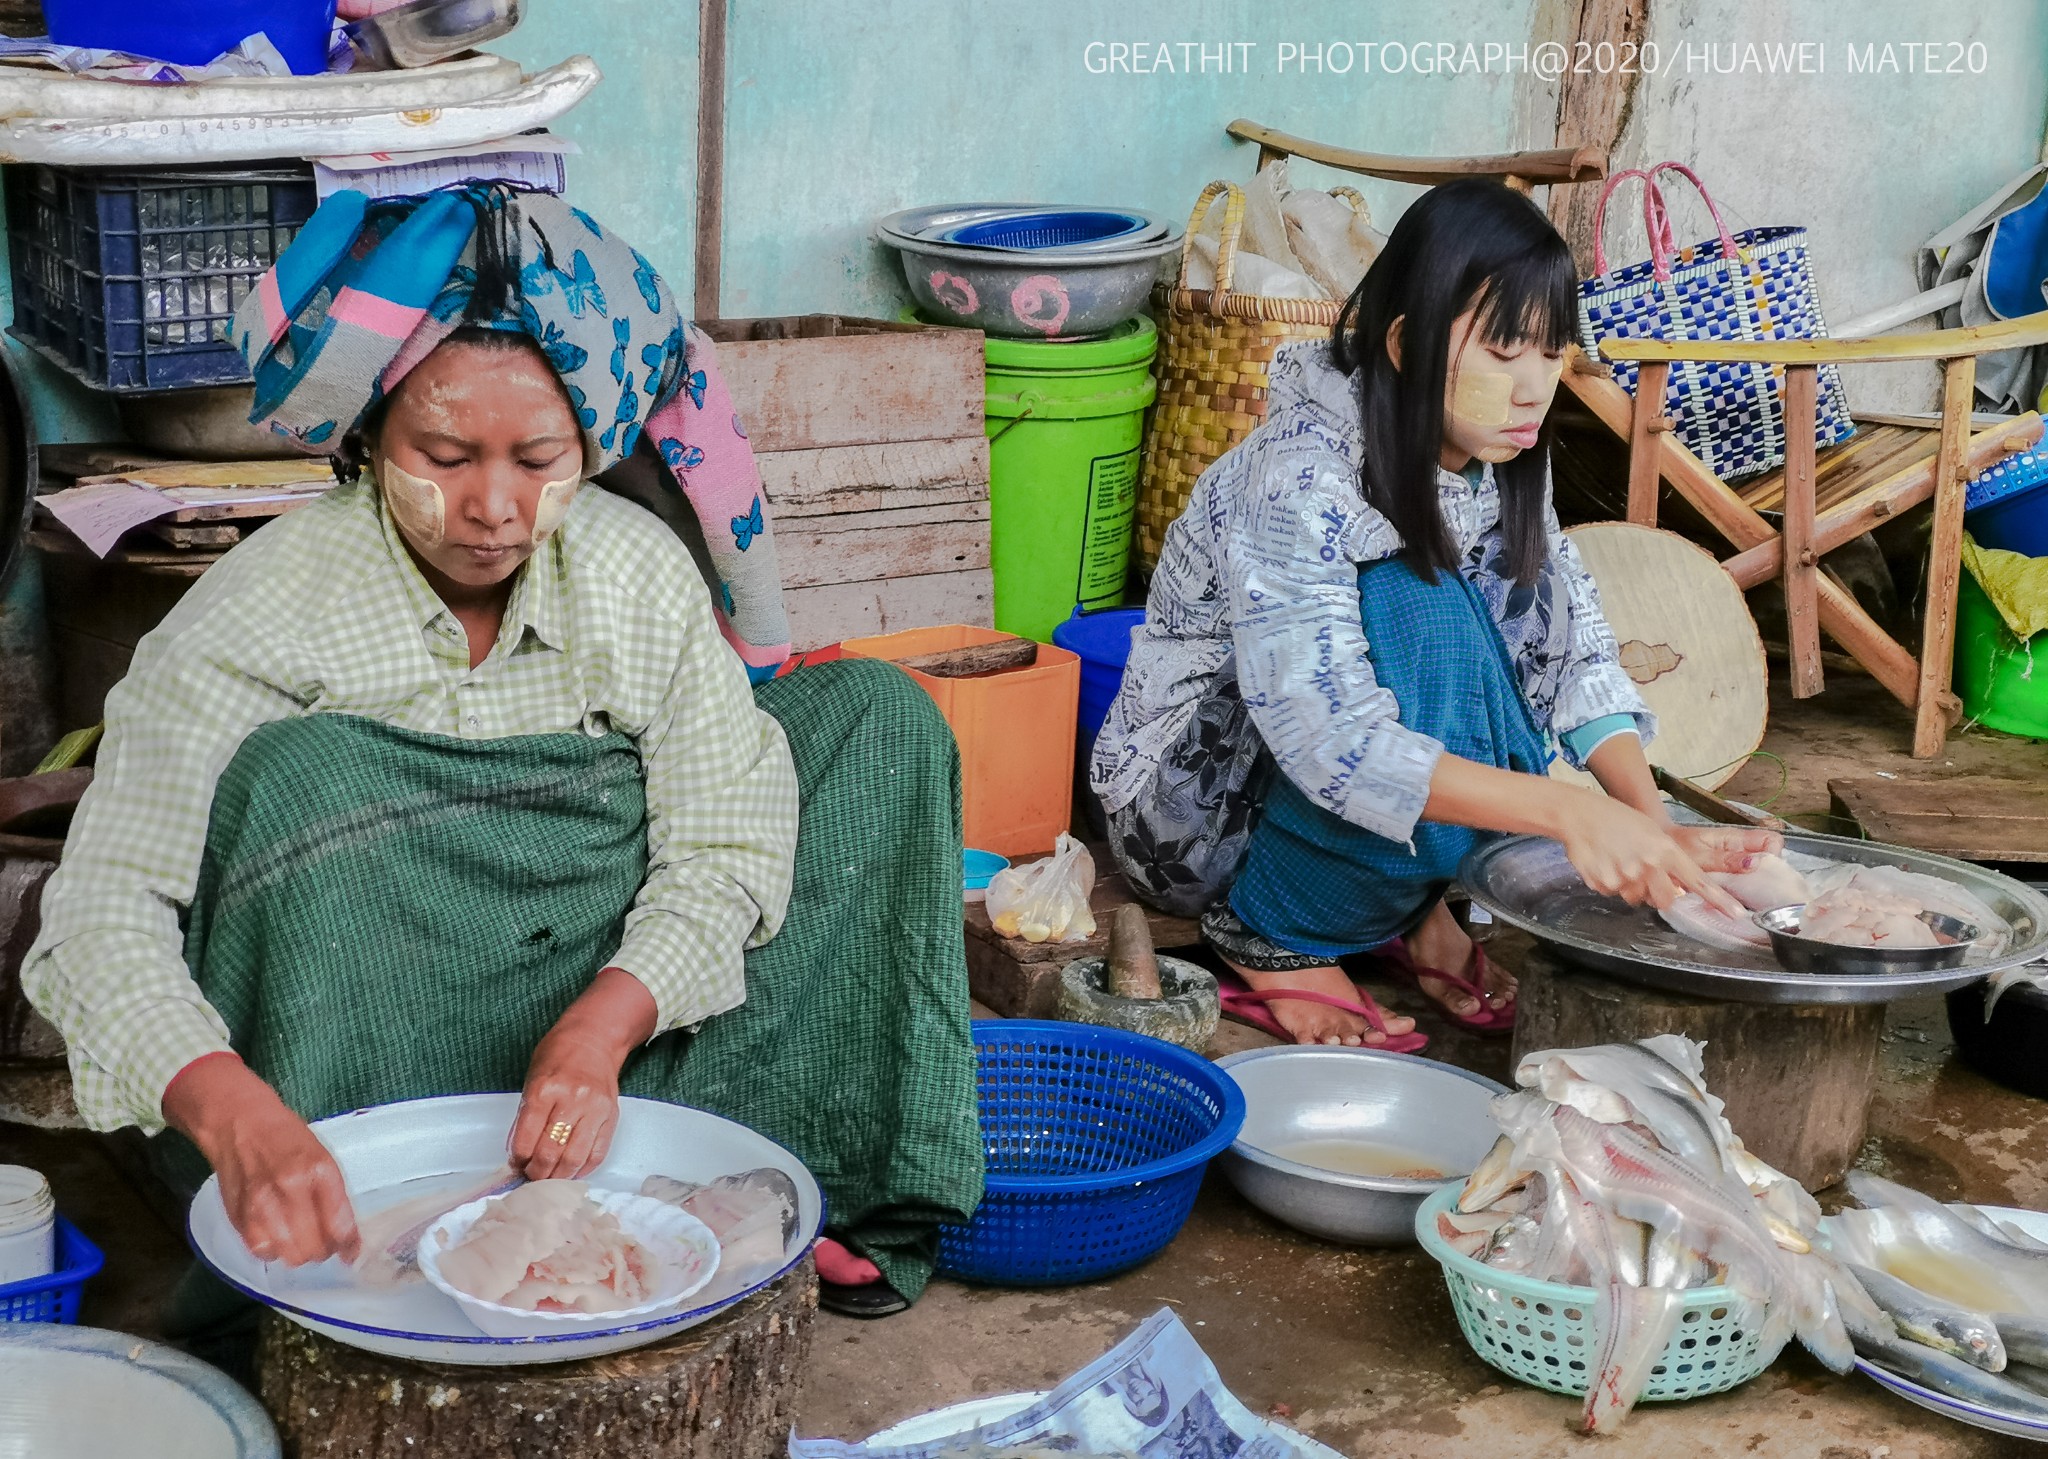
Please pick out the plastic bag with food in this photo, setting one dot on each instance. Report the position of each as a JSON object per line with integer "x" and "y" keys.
{"x": 1046, "y": 901}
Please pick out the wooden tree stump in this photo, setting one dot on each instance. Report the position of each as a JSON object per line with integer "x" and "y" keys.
{"x": 726, "y": 1390}
{"x": 1797, "y": 1079}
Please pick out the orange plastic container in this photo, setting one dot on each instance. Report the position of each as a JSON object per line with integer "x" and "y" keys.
{"x": 1016, "y": 731}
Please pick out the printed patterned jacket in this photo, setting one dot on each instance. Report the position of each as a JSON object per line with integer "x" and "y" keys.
{"x": 1258, "y": 581}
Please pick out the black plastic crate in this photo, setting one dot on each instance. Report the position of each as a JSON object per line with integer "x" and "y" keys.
{"x": 127, "y": 277}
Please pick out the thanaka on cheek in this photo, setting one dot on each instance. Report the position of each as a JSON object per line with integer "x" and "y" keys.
{"x": 416, "y": 504}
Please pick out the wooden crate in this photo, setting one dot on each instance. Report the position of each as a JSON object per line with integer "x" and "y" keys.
{"x": 875, "y": 465}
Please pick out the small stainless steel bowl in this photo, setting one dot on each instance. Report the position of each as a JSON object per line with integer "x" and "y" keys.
{"x": 1301, "y": 1093}
{"x": 1833, "y": 959}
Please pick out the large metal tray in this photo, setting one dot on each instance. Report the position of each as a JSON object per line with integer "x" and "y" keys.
{"x": 1526, "y": 882}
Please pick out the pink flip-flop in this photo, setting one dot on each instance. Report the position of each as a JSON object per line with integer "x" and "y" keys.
{"x": 1249, "y": 1005}
{"x": 1495, "y": 1021}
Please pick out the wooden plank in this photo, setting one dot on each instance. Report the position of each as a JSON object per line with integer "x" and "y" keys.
{"x": 63, "y": 462}
{"x": 164, "y": 560}
{"x": 1936, "y": 344}
{"x": 1881, "y": 501}
{"x": 868, "y": 554}
{"x": 1972, "y": 817}
{"x": 835, "y": 611}
{"x": 868, "y": 477}
{"x": 223, "y": 475}
{"x": 1557, "y": 164}
{"x": 1645, "y": 423}
{"x": 1937, "y": 711}
{"x": 922, "y": 385}
{"x": 226, "y": 535}
{"x": 830, "y": 524}
{"x": 1802, "y": 563}
{"x": 1969, "y": 816}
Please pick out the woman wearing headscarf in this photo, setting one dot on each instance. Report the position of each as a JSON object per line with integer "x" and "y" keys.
{"x": 454, "y": 780}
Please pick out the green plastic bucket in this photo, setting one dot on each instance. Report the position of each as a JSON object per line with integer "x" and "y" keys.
{"x": 1064, "y": 424}
{"x": 1996, "y": 675}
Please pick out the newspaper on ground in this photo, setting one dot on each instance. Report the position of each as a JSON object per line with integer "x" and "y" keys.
{"x": 1155, "y": 1395}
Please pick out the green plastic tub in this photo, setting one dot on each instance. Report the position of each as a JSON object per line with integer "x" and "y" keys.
{"x": 1995, "y": 674}
{"x": 1064, "y": 425}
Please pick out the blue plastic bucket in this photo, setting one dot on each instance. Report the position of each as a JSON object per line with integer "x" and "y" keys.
{"x": 1103, "y": 641}
{"x": 193, "y": 32}
{"x": 2007, "y": 506}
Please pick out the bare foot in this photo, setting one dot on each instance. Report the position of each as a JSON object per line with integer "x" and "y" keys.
{"x": 1441, "y": 943}
{"x": 1318, "y": 1023}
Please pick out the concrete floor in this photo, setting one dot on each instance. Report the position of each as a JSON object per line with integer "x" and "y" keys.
{"x": 1360, "y": 1348}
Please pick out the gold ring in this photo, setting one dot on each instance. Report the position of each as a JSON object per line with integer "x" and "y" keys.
{"x": 559, "y": 1131}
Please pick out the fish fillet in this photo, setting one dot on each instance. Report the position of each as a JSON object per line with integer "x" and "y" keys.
{"x": 548, "y": 1247}
{"x": 1693, "y": 916}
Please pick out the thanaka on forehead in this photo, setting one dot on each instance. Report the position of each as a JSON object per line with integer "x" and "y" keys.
{"x": 562, "y": 440}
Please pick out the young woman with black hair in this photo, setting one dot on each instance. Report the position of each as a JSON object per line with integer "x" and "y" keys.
{"x": 1367, "y": 638}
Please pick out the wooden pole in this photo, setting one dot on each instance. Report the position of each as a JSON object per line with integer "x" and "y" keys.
{"x": 711, "y": 19}
{"x": 1937, "y": 710}
{"x": 1802, "y": 563}
{"x": 1593, "y": 105}
{"x": 1644, "y": 425}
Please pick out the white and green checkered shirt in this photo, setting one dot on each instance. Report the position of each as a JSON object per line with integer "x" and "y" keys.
{"x": 324, "y": 612}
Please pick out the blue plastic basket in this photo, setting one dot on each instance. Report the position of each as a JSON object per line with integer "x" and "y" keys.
{"x": 127, "y": 278}
{"x": 1044, "y": 230}
{"x": 2006, "y": 506}
{"x": 54, "y": 1298}
{"x": 1096, "y": 1143}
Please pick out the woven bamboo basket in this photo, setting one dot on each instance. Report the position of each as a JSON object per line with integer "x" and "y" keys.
{"x": 1212, "y": 368}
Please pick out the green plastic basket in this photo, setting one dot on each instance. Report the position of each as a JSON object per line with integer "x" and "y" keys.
{"x": 1542, "y": 1332}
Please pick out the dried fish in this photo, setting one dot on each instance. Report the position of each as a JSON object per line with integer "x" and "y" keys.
{"x": 1968, "y": 1335}
{"x": 1951, "y": 1375}
{"x": 2025, "y": 1337}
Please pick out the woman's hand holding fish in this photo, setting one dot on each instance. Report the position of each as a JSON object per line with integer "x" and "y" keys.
{"x": 571, "y": 1102}
{"x": 1621, "y": 852}
{"x": 283, "y": 1191}
{"x": 1732, "y": 850}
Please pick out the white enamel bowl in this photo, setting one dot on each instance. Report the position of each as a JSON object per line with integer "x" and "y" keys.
{"x": 684, "y": 1250}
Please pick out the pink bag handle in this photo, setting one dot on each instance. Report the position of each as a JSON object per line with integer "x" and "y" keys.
{"x": 1657, "y": 218}
{"x": 1652, "y": 210}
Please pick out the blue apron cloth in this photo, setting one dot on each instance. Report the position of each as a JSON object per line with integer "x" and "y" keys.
{"x": 1313, "y": 882}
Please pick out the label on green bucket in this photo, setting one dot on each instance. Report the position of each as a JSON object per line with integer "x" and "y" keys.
{"x": 1106, "y": 535}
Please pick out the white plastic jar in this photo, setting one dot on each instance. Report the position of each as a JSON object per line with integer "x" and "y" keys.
{"x": 28, "y": 1233}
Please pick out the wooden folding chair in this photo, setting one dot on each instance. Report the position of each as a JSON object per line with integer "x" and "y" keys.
{"x": 1827, "y": 497}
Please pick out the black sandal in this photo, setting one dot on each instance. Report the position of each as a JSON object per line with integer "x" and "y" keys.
{"x": 869, "y": 1300}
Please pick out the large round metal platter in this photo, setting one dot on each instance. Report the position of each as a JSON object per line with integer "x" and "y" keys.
{"x": 2034, "y": 1223}
{"x": 395, "y": 1152}
{"x": 83, "y": 1392}
{"x": 958, "y": 1419}
{"x": 1527, "y": 882}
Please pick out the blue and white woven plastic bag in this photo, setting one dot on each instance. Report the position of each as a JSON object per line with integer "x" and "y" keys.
{"x": 1757, "y": 285}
